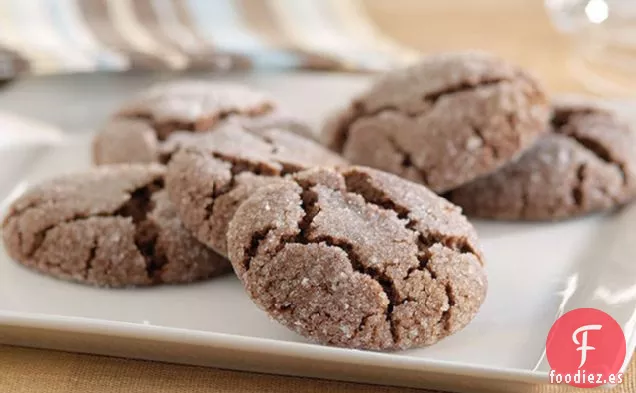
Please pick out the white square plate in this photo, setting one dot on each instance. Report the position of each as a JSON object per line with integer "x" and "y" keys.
{"x": 536, "y": 273}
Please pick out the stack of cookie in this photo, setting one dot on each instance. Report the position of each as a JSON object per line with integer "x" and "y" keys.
{"x": 196, "y": 179}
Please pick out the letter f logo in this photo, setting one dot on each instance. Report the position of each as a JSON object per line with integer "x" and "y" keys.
{"x": 583, "y": 344}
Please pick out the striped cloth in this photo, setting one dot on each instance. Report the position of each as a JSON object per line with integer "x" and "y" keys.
{"x": 61, "y": 36}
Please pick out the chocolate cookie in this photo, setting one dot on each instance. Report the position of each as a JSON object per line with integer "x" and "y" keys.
{"x": 358, "y": 258}
{"x": 113, "y": 226}
{"x": 586, "y": 164}
{"x": 207, "y": 183}
{"x": 443, "y": 122}
{"x": 151, "y": 126}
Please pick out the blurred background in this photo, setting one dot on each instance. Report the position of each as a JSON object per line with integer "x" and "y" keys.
{"x": 573, "y": 45}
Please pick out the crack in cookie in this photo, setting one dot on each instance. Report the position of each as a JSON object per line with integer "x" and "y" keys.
{"x": 564, "y": 123}
{"x": 463, "y": 87}
{"x": 601, "y": 153}
{"x": 139, "y": 202}
{"x": 407, "y": 161}
{"x": 445, "y": 319}
{"x": 360, "y": 111}
{"x": 164, "y": 128}
{"x": 255, "y": 242}
{"x": 237, "y": 166}
{"x": 577, "y": 190}
{"x": 89, "y": 260}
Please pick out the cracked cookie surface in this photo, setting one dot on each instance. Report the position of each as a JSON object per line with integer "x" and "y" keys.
{"x": 152, "y": 125}
{"x": 207, "y": 183}
{"x": 587, "y": 163}
{"x": 442, "y": 122}
{"x": 358, "y": 258}
{"x": 112, "y": 226}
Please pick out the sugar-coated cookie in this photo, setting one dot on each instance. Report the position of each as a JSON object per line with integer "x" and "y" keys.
{"x": 152, "y": 125}
{"x": 111, "y": 226}
{"x": 358, "y": 258}
{"x": 587, "y": 163}
{"x": 442, "y": 122}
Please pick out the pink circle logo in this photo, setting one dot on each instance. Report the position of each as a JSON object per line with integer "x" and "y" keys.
{"x": 585, "y": 348}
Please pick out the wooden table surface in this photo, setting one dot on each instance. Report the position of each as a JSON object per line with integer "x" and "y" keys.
{"x": 518, "y": 30}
